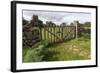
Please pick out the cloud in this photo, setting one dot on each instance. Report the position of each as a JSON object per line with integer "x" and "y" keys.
{"x": 57, "y": 17}
{"x": 77, "y": 16}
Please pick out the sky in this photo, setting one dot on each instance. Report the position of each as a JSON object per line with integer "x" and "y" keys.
{"x": 57, "y": 17}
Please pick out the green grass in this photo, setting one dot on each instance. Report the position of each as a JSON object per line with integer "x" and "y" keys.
{"x": 34, "y": 54}
{"x": 75, "y": 49}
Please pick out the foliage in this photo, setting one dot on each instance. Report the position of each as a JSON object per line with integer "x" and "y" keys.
{"x": 40, "y": 23}
{"x": 25, "y": 21}
{"x": 63, "y": 24}
{"x": 87, "y": 24}
{"x": 34, "y": 54}
{"x": 50, "y": 23}
{"x": 86, "y": 35}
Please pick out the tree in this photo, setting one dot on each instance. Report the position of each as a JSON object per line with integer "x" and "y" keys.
{"x": 63, "y": 24}
{"x": 87, "y": 24}
{"x": 50, "y": 23}
{"x": 40, "y": 23}
{"x": 25, "y": 21}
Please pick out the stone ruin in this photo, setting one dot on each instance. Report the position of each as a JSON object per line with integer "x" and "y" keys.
{"x": 31, "y": 33}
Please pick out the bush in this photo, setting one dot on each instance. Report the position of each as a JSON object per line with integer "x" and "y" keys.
{"x": 86, "y": 35}
{"x": 35, "y": 54}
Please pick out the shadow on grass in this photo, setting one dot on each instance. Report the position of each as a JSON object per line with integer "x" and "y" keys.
{"x": 50, "y": 56}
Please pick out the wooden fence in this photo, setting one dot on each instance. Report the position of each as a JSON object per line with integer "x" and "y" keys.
{"x": 56, "y": 33}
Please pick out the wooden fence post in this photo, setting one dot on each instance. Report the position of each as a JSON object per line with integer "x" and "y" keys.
{"x": 77, "y": 29}
{"x": 62, "y": 32}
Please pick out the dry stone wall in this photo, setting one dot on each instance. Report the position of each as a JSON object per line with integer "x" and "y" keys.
{"x": 31, "y": 33}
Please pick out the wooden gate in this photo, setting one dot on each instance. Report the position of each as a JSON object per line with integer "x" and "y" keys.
{"x": 54, "y": 34}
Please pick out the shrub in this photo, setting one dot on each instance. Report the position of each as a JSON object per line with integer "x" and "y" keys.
{"x": 86, "y": 35}
{"x": 35, "y": 54}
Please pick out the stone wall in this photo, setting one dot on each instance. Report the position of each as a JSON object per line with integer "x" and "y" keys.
{"x": 31, "y": 33}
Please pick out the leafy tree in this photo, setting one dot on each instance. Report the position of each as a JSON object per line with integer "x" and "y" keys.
{"x": 40, "y": 23}
{"x": 87, "y": 24}
{"x": 50, "y": 23}
{"x": 63, "y": 24}
{"x": 25, "y": 21}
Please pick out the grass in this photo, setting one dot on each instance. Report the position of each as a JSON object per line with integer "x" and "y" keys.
{"x": 34, "y": 54}
{"x": 75, "y": 49}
